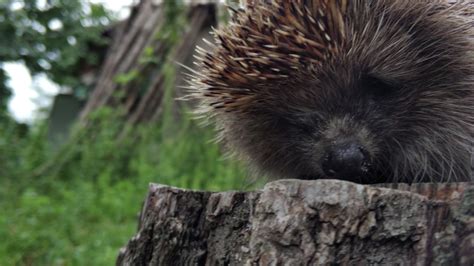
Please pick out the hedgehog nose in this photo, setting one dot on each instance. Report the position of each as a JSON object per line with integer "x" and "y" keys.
{"x": 346, "y": 160}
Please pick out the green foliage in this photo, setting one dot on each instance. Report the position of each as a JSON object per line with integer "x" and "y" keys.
{"x": 51, "y": 38}
{"x": 55, "y": 37}
{"x": 124, "y": 79}
{"x": 82, "y": 208}
{"x": 5, "y": 94}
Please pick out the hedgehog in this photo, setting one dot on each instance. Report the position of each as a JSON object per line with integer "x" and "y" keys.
{"x": 367, "y": 91}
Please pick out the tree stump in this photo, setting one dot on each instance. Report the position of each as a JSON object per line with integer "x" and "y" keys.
{"x": 296, "y": 222}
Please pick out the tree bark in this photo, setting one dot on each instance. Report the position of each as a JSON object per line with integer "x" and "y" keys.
{"x": 142, "y": 96}
{"x": 295, "y": 222}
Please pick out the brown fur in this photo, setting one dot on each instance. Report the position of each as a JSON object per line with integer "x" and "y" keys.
{"x": 287, "y": 79}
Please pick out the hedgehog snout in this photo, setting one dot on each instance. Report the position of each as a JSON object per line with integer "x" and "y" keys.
{"x": 346, "y": 160}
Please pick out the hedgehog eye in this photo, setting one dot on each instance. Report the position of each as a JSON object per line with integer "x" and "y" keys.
{"x": 378, "y": 87}
{"x": 305, "y": 128}
{"x": 304, "y": 124}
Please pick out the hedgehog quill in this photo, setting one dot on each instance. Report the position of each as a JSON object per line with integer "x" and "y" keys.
{"x": 363, "y": 90}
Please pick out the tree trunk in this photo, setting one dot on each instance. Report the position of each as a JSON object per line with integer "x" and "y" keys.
{"x": 135, "y": 40}
{"x": 295, "y": 222}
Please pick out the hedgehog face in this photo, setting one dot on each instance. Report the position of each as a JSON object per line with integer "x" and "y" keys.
{"x": 367, "y": 91}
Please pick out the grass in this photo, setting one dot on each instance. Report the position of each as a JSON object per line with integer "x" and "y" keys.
{"x": 78, "y": 206}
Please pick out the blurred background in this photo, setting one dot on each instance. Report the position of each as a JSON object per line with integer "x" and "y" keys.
{"x": 88, "y": 119}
